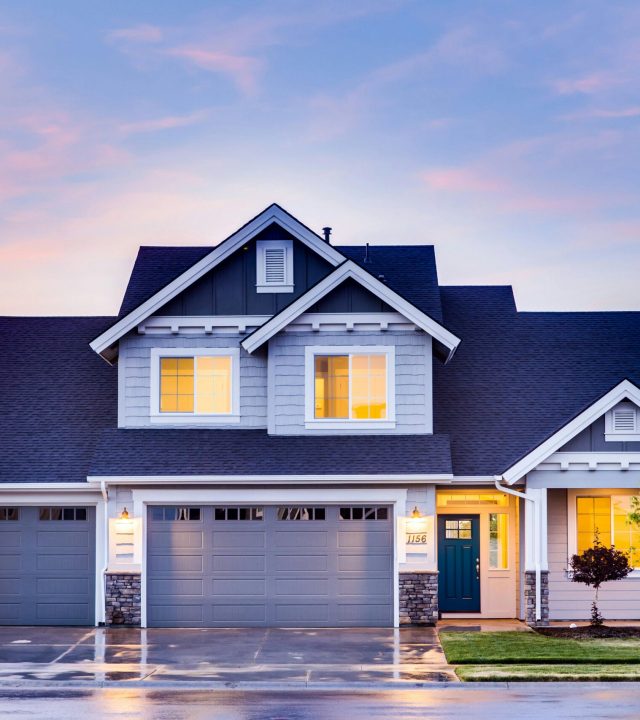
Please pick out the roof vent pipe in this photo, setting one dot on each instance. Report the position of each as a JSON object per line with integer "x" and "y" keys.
{"x": 367, "y": 259}
{"x": 327, "y": 234}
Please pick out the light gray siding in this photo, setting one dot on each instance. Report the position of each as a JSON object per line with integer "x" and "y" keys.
{"x": 413, "y": 380}
{"x": 134, "y": 366}
{"x": 619, "y": 600}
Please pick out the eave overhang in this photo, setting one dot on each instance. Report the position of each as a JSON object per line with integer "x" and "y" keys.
{"x": 350, "y": 270}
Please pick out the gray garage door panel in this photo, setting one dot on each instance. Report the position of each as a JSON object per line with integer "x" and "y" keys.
{"x": 207, "y": 572}
{"x": 47, "y": 568}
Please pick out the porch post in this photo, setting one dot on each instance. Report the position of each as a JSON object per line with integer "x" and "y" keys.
{"x": 536, "y": 575}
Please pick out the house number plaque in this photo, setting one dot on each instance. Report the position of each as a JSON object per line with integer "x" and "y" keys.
{"x": 417, "y": 538}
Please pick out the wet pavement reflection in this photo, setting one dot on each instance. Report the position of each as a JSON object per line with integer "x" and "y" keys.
{"x": 222, "y": 656}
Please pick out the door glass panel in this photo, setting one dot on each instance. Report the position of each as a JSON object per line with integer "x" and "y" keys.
{"x": 498, "y": 541}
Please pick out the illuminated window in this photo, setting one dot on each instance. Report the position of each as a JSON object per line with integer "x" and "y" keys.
{"x": 350, "y": 387}
{"x": 445, "y": 499}
{"x": 498, "y": 541}
{"x": 201, "y": 383}
{"x": 626, "y": 535}
{"x": 609, "y": 515}
{"x": 593, "y": 514}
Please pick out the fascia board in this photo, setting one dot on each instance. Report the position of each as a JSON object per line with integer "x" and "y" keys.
{"x": 180, "y": 480}
{"x": 624, "y": 390}
{"x": 349, "y": 269}
{"x": 215, "y": 257}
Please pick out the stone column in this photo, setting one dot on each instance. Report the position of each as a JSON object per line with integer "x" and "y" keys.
{"x": 419, "y": 597}
{"x": 530, "y": 598}
{"x": 122, "y": 598}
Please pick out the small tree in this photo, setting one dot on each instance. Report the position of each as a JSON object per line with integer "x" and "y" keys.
{"x": 596, "y": 565}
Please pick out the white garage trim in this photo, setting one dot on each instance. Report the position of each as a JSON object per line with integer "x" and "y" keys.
{"x": 160, "y": 496}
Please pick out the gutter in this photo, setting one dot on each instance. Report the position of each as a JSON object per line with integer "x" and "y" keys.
{"x": 103, "y": 572}
{"x": 536, "y": 539}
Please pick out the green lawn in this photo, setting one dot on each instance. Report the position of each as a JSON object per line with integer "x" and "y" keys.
{"x": 547, "y": 673}
{"x": 529, "y": 648}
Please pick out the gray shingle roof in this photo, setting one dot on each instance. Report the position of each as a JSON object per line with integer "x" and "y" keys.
{"x": 253, "y": 452}
{"x": 517, "y": 378}
{"x": 56, "y": 396}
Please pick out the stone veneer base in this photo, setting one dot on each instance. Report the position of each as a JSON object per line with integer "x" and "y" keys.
{"x": 122, "y": 598}
{"x": 419, "y": 597}
{"x": 530, "y": 598}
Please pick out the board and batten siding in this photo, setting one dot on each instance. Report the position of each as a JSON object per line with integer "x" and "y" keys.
{"x": 618, "y": 600}
{"x": 134, "y": 367}
{"x": 413, "y": 379}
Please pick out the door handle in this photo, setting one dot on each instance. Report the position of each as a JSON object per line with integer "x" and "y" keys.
{"x": 477, "y": 568}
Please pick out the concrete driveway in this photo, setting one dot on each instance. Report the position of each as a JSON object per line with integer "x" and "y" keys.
{"x": 226, "y": 658}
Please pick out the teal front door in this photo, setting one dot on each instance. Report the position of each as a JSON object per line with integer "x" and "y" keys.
{"x": 459, "y": 563}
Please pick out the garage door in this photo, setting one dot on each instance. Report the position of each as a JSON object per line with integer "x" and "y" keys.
{"x": 285, "y": 566}
{"x": 47, "y": 565}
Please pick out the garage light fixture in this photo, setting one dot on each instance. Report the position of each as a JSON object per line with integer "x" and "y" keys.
{"x": 124, "y": 515}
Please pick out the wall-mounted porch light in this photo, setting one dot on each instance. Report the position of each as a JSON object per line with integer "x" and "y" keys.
{"x": 124, "y": 515}
{"x": 416, "y": 514}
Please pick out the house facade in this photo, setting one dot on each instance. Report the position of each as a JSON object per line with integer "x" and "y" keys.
{"x": 280, "y": 431}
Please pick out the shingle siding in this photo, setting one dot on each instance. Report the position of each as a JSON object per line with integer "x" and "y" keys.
{"x": 412, "y": 379}
{"x": 135, "y": 363}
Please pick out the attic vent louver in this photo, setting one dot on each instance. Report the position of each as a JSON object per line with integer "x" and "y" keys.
{"x": 624, "y": 420}
{"x": 274, "y": 266}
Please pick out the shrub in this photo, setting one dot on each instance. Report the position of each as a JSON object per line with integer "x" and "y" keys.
{"x": 596, "y": 565}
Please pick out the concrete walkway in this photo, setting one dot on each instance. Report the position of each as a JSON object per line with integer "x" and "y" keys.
{"x": 374, "y": 658}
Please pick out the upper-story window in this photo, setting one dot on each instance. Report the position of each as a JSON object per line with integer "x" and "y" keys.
{"x": 350, "y": 387}
{"x": 274, "y": 266}
{"x": 622, "y": 423}
{"x": 193, "y": 386}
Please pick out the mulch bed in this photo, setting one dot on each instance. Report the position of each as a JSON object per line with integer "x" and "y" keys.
{"x": 585, "y": 632}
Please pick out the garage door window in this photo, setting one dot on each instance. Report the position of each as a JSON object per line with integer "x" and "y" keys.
{"x": 172, "y": 513}
{"x": 301, "y": 513}
{"x": 238, "y": 513}
{"x": 9, "y": 513}
{"x": 363, "y": 513}
{"x": 48, "y": 514}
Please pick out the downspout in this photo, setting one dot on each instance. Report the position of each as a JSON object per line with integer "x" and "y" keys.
{"x": 536, "y": 539}
{"x": 103, "y": 574}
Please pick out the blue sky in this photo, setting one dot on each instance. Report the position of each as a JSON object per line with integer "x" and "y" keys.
{"x": 505, "y": 133}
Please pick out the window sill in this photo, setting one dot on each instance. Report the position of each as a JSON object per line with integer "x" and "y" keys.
{"x": 622, "y": 437}
{"x": 274, "y": 288}
{"x": 633, "y": 575}
{"x": 350, "y": 424}
{"x": 167, "y": 419}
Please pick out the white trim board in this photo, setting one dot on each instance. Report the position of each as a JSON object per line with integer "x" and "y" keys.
{"x": 626, "y": 390}
{"x": 181, "y": 480}
{"x": 274, "y": 213}
{"x": 349, "y": 270}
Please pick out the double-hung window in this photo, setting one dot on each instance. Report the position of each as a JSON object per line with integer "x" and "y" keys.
{"x": 194, "y": 385}
{"x": 350, "y": 386}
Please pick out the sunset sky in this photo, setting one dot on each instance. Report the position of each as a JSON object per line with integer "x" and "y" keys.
{"x": 507, "y": 134}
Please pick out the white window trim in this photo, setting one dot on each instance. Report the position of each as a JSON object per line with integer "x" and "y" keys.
{"x": 572, "y": 518}
{"x": 194, "y": 418}
{"x": 612, "y": 435}
{"x": 262, "y": 286}
{"x": 313, "y": 423}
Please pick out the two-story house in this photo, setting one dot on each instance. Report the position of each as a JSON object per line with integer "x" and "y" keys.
{"x": 278, "y": 431}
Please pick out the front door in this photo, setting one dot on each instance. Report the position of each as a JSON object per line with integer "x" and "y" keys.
{"x": 459, "y": 563}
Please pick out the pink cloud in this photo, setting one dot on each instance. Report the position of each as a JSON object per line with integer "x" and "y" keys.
{"x": 585, "y": 85}
{"x": 139, "y": 33}
{"x": 164, "y": 123}
{"x": 242, "y": 69}
{"x": 461, "y": 180}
